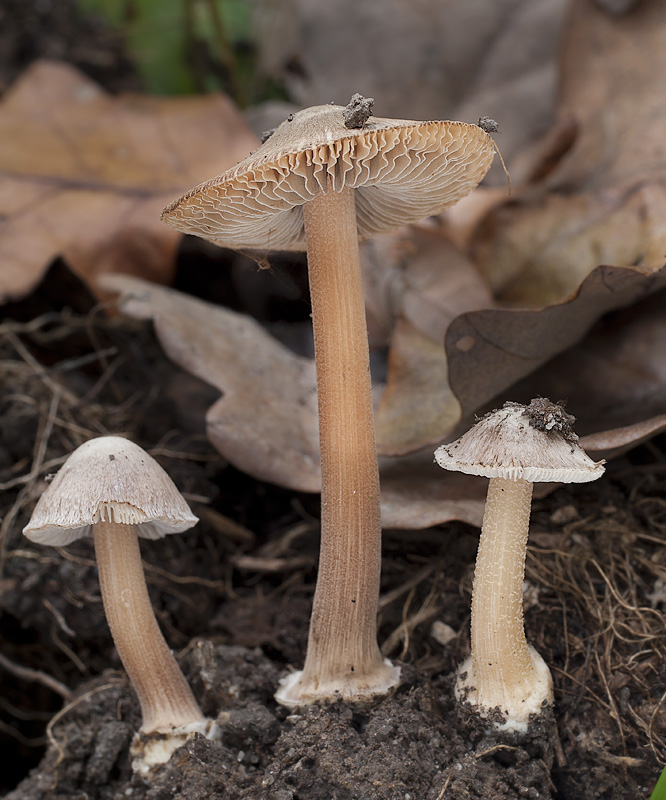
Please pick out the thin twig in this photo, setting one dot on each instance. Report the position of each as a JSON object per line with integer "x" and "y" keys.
{"x": 35, "y": 676}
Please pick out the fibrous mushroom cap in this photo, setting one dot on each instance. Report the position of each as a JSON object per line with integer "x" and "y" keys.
{"x": 402, "y": 170}
{"x": 108, "y": 479}
{"x": 534, "y": 443}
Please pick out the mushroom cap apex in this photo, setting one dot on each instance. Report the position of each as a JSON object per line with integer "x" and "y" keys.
{"x": 108, "y": 479}
{"x": 534, "y": 443}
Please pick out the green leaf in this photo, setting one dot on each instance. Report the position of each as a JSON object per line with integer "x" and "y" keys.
{"x": 659, "y": 792}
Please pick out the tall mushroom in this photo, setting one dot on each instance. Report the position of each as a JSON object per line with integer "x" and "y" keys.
{"x": 514, "y": 446}
{"x": 324, "y": 177}
{"x": 109, "y": 487}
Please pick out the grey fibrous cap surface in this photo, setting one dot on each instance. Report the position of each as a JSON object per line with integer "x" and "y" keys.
{"x": 503, "y": 444}
{"x": 402, "y": 171}
{"x": 112, "y": 479}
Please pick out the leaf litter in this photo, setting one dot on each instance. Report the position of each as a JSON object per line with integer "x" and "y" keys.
{"x": 597, "y": 568}
{"x": 84, "y": 175}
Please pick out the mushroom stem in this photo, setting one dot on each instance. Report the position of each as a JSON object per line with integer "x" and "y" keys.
{"x": 343, "y": 657}
{"x": 165, "y": 697}
{"x": 506, "y": 672}
{"x": 497, "y": 599}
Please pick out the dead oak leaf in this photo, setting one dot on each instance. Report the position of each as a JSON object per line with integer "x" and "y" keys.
{"x": 489, "y": 351}
{"x": 417, "y": 494}
{"x": 605, "y": 202}
{"x": 432, "y": 284}
{"x": 266, "y": 421}
{"x": 612, "y": 82}
{"x": 614, "y": 442}
{"x": 614, "y": 380}
{"x": 537, "y": 253}
{"x": 85, "y": 175}
{"x": 615, "y": 384}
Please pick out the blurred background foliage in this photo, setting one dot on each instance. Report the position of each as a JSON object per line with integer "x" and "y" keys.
{"x": 190, "y": 46}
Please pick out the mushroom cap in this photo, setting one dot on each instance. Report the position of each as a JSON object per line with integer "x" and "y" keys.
{"x": 402, "y": 171}
{"x": 108, "y": 479}
{"x": 513, "y": 443}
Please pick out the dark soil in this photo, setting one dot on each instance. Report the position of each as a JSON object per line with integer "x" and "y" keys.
{"x": 410, "y": 745}
{"x": 233, "y": 595}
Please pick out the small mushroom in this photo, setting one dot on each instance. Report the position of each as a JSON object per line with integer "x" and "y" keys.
{"x": 109, "y": 487}
{"x": 317, "y": 184}
{"x": 514, "y": 446}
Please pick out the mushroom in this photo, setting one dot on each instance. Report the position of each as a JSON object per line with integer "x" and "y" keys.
{"x": 324, "y": 177}
{"x": 109, "y": 487}
{"x": 515, "y": 447}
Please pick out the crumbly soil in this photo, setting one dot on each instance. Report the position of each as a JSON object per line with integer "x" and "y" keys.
{"x": 233, "y": 595}
{"x": 414, "y": 744}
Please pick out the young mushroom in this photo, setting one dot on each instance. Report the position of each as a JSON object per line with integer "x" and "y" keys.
{"x": 323, "y": 178}
{"x": 109, "y": 487}
{"x": 515, "y": 446}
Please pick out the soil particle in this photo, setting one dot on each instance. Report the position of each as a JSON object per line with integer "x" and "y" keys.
{"x": 358, "y": 111}
{"x": 250, "y": 726}
{"x": 488, "y": 125}
{"x": 111, "y": 739}
{"x": 544, "y": 415}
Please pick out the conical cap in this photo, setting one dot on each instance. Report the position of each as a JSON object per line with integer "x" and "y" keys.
{"x": 533, "y": 443}
{"x": 113, "y": 479}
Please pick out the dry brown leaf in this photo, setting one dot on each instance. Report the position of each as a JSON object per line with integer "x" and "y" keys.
{"x": 491, "y": 350}
{"x": 416, "y": 494}
{"x": 608, "y": 444}
{"x": 538, "y": 254}
{"x": 433, "y": 283}
{"x": 614, "y": 380}
{"x": 266, "y": 422}
{"x": 85, "y": 175}
{"x": 606, "y": 201}
{"x": 612, "y": 81}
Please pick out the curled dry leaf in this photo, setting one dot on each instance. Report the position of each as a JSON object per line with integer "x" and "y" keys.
{"x": 606, "y": 200}
{"x": 432, "y": 283}
{"x": 608, "y": 444}
{"x": 416, "y": 495}
{"x": 537, "y": 254}
{"x": 491, "y": 350}
{"x": 614, "y": 380}
{"x": 85, "y": 175}
{"x": 266, "y": 421}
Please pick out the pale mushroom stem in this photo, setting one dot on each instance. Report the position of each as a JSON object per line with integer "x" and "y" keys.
{"x": 343, "y": 656}
{"x": 164, "y": 695}
{"x": 507, "y": 670}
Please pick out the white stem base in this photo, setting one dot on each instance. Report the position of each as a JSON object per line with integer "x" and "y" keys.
{"x": 518, "y": 706}
{"x": 296, "y": 690}
{"x": 149, "y": 750}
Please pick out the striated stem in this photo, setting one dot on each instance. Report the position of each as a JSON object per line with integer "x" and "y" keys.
{"x": 343, "y": 656}
{"x": 504, "y": 671}
{"x": 499, "y": 646}
{"x": 165, "y": 696}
